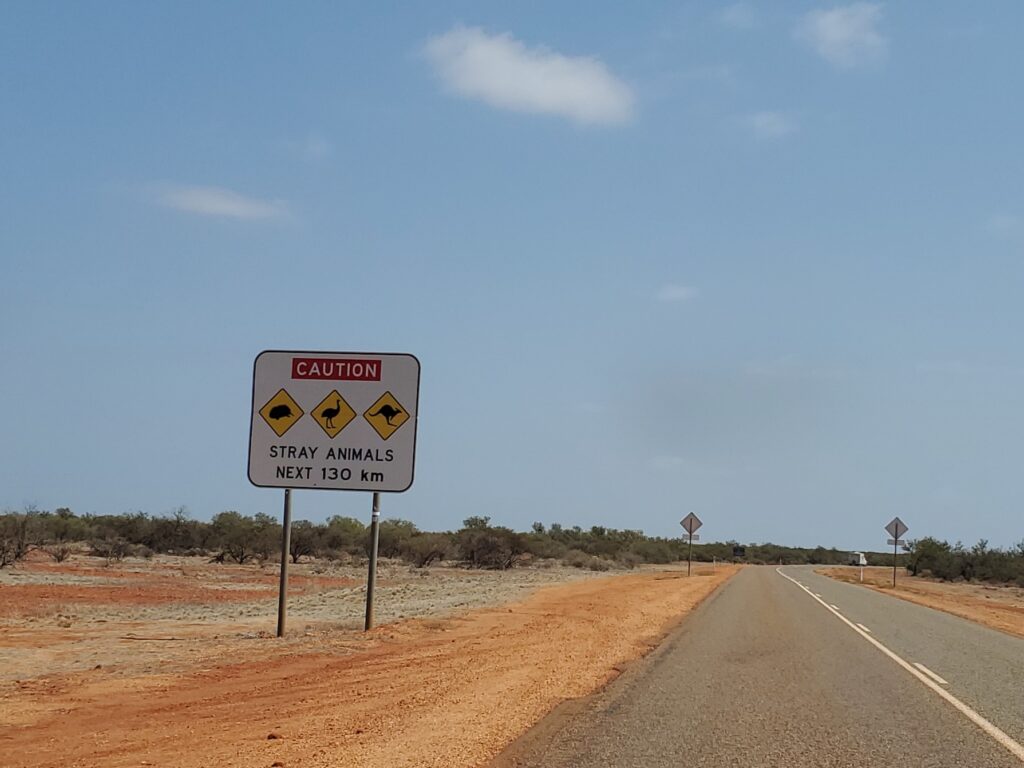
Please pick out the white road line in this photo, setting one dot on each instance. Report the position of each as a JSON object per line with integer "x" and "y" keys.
{"x": 863, "y": 627}
{"x": 997, "y": 734}
{"x": 930, "y": 674}
{"x": 816, "y": 594}
{"x": 833, "y": 607}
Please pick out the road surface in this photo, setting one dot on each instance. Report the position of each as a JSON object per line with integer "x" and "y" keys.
{"x": 783, "y": 667}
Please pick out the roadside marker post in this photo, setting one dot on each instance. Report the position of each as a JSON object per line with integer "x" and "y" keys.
{"x": 690, "y": 524}
{"x": 896, "y": 528}
{"x": 339, "y": 421}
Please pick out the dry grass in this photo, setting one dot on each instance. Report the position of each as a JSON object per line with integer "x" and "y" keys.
{"x": 452, "y": 687}
{"x": 999, "y": 607}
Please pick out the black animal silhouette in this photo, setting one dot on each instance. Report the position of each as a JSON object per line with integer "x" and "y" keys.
{"x": 330, "y": 413}
{"x": 280, "y": 412}
{"x": 388, "y": 412}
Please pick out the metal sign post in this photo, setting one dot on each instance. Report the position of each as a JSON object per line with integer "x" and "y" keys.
{"x": 371, "y": 579}
{"x": 339, "y": 421}
{"x": 690, "y": 524}
{"x": 286, "y": 536}
{"x": 896, "y": 528}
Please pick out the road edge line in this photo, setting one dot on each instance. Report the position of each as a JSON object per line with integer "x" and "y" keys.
{"x": 937, "y": 678}
{"x": 997, "y": 734}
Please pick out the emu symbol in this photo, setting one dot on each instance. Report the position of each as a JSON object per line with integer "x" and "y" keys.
{"x": 329, "y": 413}
{"x": 388, "y": 412}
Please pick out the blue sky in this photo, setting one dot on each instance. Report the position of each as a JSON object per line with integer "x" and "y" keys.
{"x": 761, "y": 262}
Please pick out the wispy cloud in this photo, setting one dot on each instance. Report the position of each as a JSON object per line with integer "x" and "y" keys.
{"x": 504, "y": 73}
{"x": 772, "y": 125}
{"x": 1005, "y": 225}
{"x": 738, "y": 16}
{"x": 217, "y": 201}
{"x": 668, "y": 462}
{"x": 673, "y": 292}
{"x": 847, "y": 36}
{"x": 315, "y": 147}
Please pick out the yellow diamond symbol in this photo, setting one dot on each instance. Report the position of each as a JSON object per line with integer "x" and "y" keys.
{"x": 281, "y": 412}
{"x": 386, "y": 415}
{"x": 333, "y": 414}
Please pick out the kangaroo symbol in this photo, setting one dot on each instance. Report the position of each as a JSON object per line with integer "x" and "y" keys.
{"x": 388, "y": 412}
{"x": 329, "y": 413}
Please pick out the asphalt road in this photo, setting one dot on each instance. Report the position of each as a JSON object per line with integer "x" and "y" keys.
{"x": 765, "y": 673}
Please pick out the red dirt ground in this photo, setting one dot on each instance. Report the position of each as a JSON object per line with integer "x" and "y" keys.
{"x": 419, "y": 693}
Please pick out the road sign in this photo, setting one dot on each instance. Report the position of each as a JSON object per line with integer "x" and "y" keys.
{"x": 281, "y": 412}
{"x": 899, "y": 542}
{"x": 691, "y": 523}
{"x": 333, "y": 414}
{"x": 896, "y": 528}
{"x": 386, "y": 415}
{"x": 305, "y": 431}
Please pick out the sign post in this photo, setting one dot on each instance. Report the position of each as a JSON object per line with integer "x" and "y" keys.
{"x": 340, "y": 421}
{"x": 371, "y": 579}
{"x": 896, "y": 528}
{"x": 286, "y": 536}
{"x": 690, "y": 524}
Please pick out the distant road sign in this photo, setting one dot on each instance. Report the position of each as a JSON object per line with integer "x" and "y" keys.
{"x": 899, "y": 542}
{"x": 691, "y": 523}
{"x": 305, "y": 430}
{"x": 694, "y": 537}
{"x": 896, "y": 528}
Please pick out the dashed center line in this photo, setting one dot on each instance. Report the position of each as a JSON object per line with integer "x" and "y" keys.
{"x": 863, "y": 627}
{"x": 930, "y": 674}
{"x": 997, "y": 734}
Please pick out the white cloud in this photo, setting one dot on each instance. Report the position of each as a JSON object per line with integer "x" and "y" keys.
{"x": 668, "y": 462}
{"x": 217, "y": 201}
{"x": 673, "y": 292}
{"x": 772, "y": 125}
{"x": 1005, "y": 225}
{"x": 846, "y": 36}
{"x": 316, "y": 147}
{"x": 503, "y": 72}
{"x": 738, "y": 16}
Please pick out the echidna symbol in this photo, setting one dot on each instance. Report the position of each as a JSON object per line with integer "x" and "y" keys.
{"x": 388, "y": 412}
{"x": 280, "y": 412}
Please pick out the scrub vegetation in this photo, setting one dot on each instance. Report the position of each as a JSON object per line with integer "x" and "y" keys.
{"x": 954, "y": 562}
{"x": 231, "y": 537}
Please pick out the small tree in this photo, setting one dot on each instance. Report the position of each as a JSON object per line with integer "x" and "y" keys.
{"x": 111, "y": 548}
{"x": 481, "y": 546}
{"x": 392, "y": 537}
{"x": 426, "y": 548}
{"x": 344, "y": 534}
{"x": 234, "y": 535}
{"x": 304, "y": 540}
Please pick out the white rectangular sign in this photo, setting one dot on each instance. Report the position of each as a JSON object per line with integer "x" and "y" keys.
{"x": 334, "y": 420}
